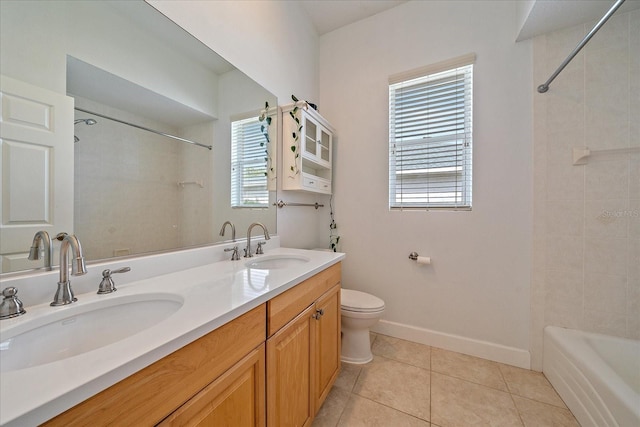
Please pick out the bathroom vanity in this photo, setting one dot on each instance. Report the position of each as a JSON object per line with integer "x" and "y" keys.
{"x": 267, "y": 352}
{"x": 303, "y": 348}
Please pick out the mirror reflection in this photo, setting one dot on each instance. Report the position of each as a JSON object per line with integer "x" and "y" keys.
{"x": 149, "y": 141}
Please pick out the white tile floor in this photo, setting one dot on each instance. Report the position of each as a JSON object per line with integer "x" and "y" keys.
{"x": 409, "y": 384}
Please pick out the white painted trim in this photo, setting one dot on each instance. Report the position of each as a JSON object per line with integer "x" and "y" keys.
{"x": 484, "y": 349}
{"x": 439, "y": 67}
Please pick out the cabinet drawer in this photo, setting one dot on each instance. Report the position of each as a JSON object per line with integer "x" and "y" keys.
{"x": 323, "y": 185}
{"x": 310, "y": 182}
{"x": 147, "y": 396}
{"x": 316, "y": 184}
{"x": 286, "y": 306}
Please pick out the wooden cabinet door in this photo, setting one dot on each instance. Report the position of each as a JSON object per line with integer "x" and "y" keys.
{"x": 327, "y": 339}
{"x": 289, "y": 372}
{"x": 236, "y": 399}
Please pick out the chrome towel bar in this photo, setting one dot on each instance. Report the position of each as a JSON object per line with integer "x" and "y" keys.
{"x": 281, "y": 203}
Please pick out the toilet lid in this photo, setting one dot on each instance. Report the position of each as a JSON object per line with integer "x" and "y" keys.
{"x": 360, "y": 301}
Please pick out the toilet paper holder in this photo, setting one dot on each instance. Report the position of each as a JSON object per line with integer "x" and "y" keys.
{"x": 419, "y": 259}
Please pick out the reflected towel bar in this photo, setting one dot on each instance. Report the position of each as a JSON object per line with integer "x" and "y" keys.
{"x": 157, "y": 132}
{"x": 581, "y": 155}
{"x": 545, "y": 86}
{"x": 198, "y": 183}
{"x": 281, "y": 204}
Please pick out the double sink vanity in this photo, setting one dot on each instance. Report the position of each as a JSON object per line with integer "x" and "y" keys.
{"x": 251, "y": 342}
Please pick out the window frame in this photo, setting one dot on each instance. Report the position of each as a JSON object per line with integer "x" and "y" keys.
{"x": 448, "y": 150}
{"x": 244, "y": 157}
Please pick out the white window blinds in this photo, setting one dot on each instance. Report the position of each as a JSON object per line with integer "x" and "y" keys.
{"x": 248, "y": 164}
{"x": 430, "y": 137}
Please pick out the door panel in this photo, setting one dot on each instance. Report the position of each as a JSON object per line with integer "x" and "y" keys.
{"x": 234, "y": 400}
{"x": 289, "y": 365}
{"x": 327, "y": 344}
{"x": 36, "y": 168}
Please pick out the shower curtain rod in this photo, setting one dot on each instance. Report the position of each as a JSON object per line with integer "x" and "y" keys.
{"x": 157, "y": 132}
{"x": 545, "y": 86}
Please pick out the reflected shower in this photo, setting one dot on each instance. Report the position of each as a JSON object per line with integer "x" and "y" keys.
{"x": 87, "y": 122}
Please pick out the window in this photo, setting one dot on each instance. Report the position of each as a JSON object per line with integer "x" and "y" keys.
{"x": 248, "y": 164}
{"x": 430, "y": 116}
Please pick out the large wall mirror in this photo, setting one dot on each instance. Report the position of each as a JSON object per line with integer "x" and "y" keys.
{"x": 120, "y": 127}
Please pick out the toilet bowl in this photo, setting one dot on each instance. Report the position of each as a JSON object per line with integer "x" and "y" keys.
{"x": 359, "y": 312}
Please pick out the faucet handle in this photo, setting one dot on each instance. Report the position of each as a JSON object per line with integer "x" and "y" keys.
{"x": 234, "y": 255}
{"x": 259, "y": 250}
{"x": 11, "y": 306}
{"x": 106, "y": 285}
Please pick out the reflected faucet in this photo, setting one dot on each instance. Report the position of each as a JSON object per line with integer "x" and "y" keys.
{"x": 233, "y": 230}
{"x": 64, "y": 294}
{"x": 40, "y": 240}
{"x": 247, "y": 251}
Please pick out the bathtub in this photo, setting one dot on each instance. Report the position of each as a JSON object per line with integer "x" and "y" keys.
{"x": 598, "y": 376}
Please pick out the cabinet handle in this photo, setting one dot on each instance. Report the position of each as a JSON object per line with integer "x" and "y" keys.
{"x": 318, "y": 314}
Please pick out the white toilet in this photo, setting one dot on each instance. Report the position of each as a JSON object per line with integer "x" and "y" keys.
{"x": 359, "y": 312}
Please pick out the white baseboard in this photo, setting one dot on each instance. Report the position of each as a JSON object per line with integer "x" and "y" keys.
{"x": 484, "y": 349}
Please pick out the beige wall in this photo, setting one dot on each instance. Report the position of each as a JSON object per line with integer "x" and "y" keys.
{"x": 274, "y": 43}
{"x": 587, "y": 218}
{"x": 475, "y": 296}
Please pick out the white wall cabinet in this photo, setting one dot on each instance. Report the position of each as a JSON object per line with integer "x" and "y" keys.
{"x": 306, "y": 160}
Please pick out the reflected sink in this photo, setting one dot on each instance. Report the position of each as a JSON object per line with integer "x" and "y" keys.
{"x": 269, "y": 262}
{"x": 77, "y": 329}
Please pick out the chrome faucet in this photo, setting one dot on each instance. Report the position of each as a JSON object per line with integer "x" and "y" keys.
{"x": 247, "y": 251}
{"x": 233, "y": 230}
{"x": 11, "y": 306}
{"x": 64, "y": 294}
{"x": 106, "y": 285}
{"x": 40, "y": 240}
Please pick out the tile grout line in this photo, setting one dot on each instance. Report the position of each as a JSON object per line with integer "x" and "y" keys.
{"x": 392, "y": 408}
{"x": 506, "y": 383}
{"x": 430, "y": 385}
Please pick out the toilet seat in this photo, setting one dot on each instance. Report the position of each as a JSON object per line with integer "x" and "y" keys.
{"x": 360, "y": 302}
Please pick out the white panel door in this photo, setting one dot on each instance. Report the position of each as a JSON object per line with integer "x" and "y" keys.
{"x": 36, "y": 168}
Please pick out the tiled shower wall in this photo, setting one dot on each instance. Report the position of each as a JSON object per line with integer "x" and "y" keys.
{"x": 127, "y": 197}
{"x": 587, "y": 217}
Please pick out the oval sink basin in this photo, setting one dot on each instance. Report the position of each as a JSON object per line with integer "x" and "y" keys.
{"x": 270, "y": 262}
{"x": 82, "y": 328}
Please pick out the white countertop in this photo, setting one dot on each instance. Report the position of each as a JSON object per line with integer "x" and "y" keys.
{"x": 212, "y": 295}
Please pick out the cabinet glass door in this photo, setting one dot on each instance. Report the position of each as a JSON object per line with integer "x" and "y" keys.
{"x": 325, "y": 146}
{"x": 310, "y": 137}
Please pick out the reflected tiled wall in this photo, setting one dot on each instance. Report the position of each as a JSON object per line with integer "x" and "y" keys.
{"x": 126, "y": 193}
{"x": 587, "y": 218}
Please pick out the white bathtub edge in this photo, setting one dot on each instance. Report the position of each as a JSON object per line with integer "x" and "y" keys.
{"x": 578, "y": 380}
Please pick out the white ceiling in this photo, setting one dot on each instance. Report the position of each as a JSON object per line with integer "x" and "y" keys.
{"x": 125, "y": 95}
{"x": 544, "y": 16}
{"x": 328, "y": 15}
{"x": 551, "y": 15}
